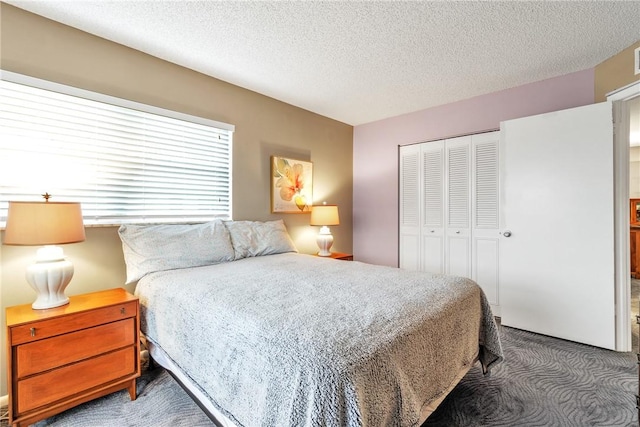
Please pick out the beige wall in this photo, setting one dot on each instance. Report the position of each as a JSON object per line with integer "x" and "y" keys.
{"x": 615, "y": 73}
{"x": 45, "y": 49}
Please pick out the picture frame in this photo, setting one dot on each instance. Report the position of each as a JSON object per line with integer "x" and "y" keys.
{"x": 291, "y": 185}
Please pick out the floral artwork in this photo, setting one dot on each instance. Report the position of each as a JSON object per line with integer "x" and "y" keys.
{"x": 291, "y": 185}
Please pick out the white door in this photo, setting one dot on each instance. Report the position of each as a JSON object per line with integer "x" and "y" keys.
{"x": 409, "y": 220}
{"x": 557, "y": 266}
{"x": 432, "y": 157}
{"x": 458, "y": 206}
{"x": 485, "y": 207}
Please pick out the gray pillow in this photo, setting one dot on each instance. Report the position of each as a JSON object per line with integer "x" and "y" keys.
{"x": 151, "y": 248}
{"x": 256, "y": 238}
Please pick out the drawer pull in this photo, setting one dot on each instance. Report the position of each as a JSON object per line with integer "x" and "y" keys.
{"x": 122, "y": 310}
{"x": 33, "y": 332}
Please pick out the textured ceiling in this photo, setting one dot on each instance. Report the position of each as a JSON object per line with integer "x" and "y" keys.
{"x": 361, "y": 61}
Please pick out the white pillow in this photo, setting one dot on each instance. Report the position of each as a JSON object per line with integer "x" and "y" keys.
{"x": 150, "y": 248}
{"x": 255, "y": 238}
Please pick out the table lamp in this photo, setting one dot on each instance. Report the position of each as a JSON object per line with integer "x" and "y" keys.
{"x": 46, "y": 223}
{"x": 324, "y": 215}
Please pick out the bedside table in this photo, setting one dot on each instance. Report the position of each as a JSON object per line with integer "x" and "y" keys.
{"x": 338, "y": 255}
{"x": 64, "y": 356}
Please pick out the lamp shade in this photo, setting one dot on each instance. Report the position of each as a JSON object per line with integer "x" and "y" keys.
{"x": 43, "y": 223}
{"x": 324, "y": 215}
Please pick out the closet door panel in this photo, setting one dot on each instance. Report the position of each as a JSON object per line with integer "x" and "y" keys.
{"x": 458, "y": 259}
{"x": 485, "y": 215}
{"x": 458, "y": 206}
{"x": 409, "y": 215}
{"x": 432, "y": 157}
{"x": 485, "y": 268}
{"x": 433, "y": 250}
{"x": 409, "y": 251}
{"x": 458, "y": 183}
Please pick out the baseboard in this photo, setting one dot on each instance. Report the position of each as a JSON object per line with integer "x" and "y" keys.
{"x": 4, "y": 401}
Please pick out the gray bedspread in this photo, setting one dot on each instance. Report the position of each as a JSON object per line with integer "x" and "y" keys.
{"x": 298, "y": 340}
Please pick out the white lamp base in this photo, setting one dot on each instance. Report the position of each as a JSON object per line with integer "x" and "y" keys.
{"x": 324, "y": 241}
{"x": 49, "y": 276}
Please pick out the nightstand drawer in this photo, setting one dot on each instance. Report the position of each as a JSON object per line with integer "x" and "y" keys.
{"x": 73, "y": 322}
{"x": 44, "y": 389}
{"x": 60, "y": 350}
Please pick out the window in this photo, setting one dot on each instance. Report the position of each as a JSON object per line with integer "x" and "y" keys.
{"x": 124, "y": 161}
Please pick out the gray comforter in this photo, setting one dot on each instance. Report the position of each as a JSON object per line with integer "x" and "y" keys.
{"x": 297, "y": 340}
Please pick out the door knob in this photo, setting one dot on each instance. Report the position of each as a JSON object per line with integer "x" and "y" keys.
{"x": 506, "y": 233}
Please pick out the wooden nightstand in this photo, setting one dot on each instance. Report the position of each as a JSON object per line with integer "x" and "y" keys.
{"x": 64, "y": 356}
{"x": 338, "y": 255}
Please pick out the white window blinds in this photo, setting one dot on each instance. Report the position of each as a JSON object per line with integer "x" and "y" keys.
{"x": 124, "y": 161}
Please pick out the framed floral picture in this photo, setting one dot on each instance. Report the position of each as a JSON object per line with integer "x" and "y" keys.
{"x": 291, "y": 185}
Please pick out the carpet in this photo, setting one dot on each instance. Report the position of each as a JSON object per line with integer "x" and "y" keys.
{"x": 543, "y": 382}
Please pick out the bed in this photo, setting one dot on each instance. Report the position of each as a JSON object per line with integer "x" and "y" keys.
{"x": 263, "y": 336}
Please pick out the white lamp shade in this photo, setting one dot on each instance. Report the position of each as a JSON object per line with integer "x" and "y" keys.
{"x": 324, "y": 215}
{"x": 43, "y": 223}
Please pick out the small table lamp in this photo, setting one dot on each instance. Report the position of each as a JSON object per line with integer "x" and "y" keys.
{"x": 324, "y": 215}
{"x": 46, "y": 223}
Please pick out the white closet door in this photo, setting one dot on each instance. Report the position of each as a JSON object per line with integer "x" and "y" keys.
{"x": 458, "y": 209}
{"x": 432, "y": 157}
{"x": 557, "y": 267}
{"x": 485, "y": 215}
{"x": 410, "y": 207}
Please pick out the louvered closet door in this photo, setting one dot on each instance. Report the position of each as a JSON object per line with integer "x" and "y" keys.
{"x": 485, "y": 215}
{"x": 457, "y": 208}
{"x": 432, "y": 158}
{"x": 409, "y": 215}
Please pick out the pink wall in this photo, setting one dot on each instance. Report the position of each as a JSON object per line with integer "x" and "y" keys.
{"x": 375, "y": 150}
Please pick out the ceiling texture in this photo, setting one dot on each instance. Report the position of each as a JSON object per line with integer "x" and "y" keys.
{"x": 362, "y": 61}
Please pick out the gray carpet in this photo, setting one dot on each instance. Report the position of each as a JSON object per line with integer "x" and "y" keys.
{"x": 543, "y": 382}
